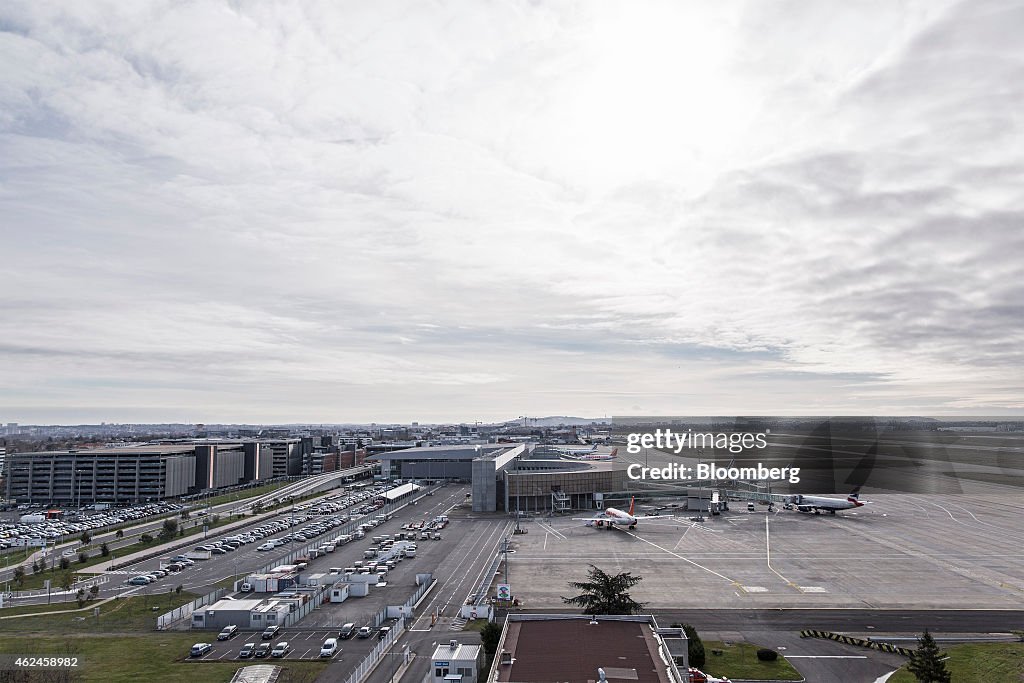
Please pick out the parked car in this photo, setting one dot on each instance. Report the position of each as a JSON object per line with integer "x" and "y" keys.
{"x": 200, "y": 649}
{"x": 281, "y": 649}
{"x": 247, "y": 651}
{"x": 364, "y": 632}
{"x": 329, "y": 648}
{"x": 270, "y": 632}
{"x": 347, "y": 631}
{"x": 263, "y": 650}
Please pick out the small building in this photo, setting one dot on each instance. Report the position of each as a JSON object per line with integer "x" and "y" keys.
{"x": 537, "y": 647}
{"x": 340, "y": 591}
{"x": 271, "y": 613}
{"x": 455, "y": 662}
{"x": 225, "y": 613}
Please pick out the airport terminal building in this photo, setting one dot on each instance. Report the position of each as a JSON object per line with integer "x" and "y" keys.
{"x": 509, "y": 477}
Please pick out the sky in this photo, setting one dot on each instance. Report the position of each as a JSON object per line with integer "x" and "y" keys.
{"x": 457, "y": 211}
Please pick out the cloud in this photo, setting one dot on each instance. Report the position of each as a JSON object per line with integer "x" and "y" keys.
{"x": 299, "y": 211}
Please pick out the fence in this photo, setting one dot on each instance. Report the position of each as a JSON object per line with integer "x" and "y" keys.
{"x": 57, "y": 590}
{"x": 371, "y": 660}
{"x": 164, "y": 621}
{"x": 485, "y": 582}
{"x": 314, "y": 601}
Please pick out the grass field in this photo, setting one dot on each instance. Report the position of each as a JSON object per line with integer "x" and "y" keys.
{"x": 154, "y": 658}
{"x": 978, "y": 662}
{"x": 739, "y": 661}
{"x": 133, "y": 615}
{"x": 246, "y": 493}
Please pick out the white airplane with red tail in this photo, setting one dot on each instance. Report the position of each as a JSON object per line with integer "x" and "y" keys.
{"x": 611, "y": 517}
{"x": 816, "y": 504}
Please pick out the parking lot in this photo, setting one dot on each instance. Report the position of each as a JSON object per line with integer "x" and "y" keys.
{"x": 304, "y": 643}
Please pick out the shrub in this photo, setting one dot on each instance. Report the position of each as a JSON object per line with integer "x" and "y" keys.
{"x": 766, "y": 655}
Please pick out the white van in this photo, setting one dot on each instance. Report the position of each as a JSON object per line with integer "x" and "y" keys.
{"x": 329, "y": 647}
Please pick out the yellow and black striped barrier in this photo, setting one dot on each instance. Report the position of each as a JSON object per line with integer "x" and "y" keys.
{"x": 860, "y": 642}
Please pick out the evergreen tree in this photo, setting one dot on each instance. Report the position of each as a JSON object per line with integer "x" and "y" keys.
{"x": 490, "y": 636}
{"x": 926, "y": 663}
{"x": 605, "y": 593}
{"x": 694, "y": 645}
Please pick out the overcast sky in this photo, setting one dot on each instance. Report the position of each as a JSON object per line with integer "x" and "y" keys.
{"x": 327, "y": 211}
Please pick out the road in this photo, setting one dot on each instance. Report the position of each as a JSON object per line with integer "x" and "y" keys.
{"x": 888, "y": 621}
{"x": 153, "y": 525}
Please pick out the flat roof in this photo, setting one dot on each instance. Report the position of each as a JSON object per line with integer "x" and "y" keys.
{"x": 158, "y": 449}
{"x": 458, "y": 452}
{"x": 400, "y": 491}
{"x": 566, "y": 650}
{"x": 234, "y": 605}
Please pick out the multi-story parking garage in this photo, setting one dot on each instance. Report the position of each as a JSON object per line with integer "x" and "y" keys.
{"x": 147, "y": 472}
{"x": 116, "y": 475}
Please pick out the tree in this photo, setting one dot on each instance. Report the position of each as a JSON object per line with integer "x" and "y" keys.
{"x": 64, "y": 563}
{"x": 694, "y": 645}
{"x": 66, "y": 580}
{"x": 145, "y": 538}
{"x": 178, "y": 589}
{"x": 169, "y": 530}
{"x": 119, "y": 533}
{"x": 80, "y": 597}
{"x": 19, "y": 575}
{"x": 490, "y": 636}
{"x": 85, "y": 538}
{"x": 926, "y": 662}
{"x": 605, "y": 593}
{"x": 83, "y": 557}
{"x": 104, "y": 550}
{"x": 94, "y": 592}
{"x": 36, "y": 567}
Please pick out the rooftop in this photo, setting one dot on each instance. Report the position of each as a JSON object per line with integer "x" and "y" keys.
{"x": 456, "y": 452}
{"x": 461, "y": 652}
{"x": 564, "y": 649}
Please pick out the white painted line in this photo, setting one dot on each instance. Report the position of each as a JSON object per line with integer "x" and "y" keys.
{"x": 677, "y": 555}
{"x": 755, "y": 589}
{"x": 826, "y": 657}
{"x": 768, "y": 556}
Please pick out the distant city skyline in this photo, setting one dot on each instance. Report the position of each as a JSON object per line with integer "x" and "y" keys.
{"x": 288, "y": 212}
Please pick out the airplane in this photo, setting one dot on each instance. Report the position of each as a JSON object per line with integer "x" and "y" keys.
{"x": 613, "y": 516}
{"x": 600, "y": 456}
{"x": 576, "y": 451}
{"x": 818, "y": 503}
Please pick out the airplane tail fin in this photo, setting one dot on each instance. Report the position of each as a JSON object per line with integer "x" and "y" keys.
{"x": 631, "y": 503}
{"x": 854, "y": 497}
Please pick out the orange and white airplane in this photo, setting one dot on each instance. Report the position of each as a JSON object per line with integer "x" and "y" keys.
{"x": 611, "y": 517}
